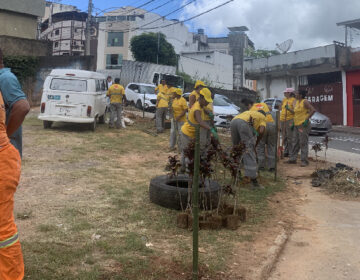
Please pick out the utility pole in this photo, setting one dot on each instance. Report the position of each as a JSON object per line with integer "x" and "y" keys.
{"x": 87, "y": 32}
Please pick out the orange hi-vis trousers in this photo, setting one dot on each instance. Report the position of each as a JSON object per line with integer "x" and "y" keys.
{"x": 11, "y": 259}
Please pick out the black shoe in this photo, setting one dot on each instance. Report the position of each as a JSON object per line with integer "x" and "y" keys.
{"x": 271, "y": 169}
{"x": 291, "y": 161}
{"x": 255, "y": 185}
{"x": 261, "y": 168}
{"x": 286, "y": 154}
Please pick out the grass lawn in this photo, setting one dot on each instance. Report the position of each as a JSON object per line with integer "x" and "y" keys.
{"x": 83, "y": 209}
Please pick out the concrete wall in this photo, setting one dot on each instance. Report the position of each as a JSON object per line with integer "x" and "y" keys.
{"x": 137, "y": 72}
{"x": 268, "y": 86}
{"x": 20, "y": 46}
{"x": 34, "y": 8}
{"x": 213, "y": 67}
{"x": 18, "y": 25}
{"x": 292, "y": 60}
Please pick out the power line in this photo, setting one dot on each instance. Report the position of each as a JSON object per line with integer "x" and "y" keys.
{"x": 160, "y": 6}
{"x": 174, "y": 23}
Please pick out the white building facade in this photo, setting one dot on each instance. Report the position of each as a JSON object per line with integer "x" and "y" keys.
{"x": 116, "y": 28}
{"x": 213, "y": 67}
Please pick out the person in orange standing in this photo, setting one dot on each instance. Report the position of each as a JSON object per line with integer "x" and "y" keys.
{"x": 11, "y": 259}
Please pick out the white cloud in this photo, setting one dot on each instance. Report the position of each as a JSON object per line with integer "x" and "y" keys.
{"x": 309, "y": 23}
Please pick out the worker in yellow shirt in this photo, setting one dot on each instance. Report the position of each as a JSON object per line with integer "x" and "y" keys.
{"x": 268, "y": 140}
{"x": 179, "y": 109}
{"x": 303, "y": 111}
{"x": 287, "y": 120}
{"x": 162, "y": 87}
{"x": 162, "y": 105}
{"x": 248, "y": 128}
{"x": 194, "y": 118}
{"x": 194, "y": 95}
{"x": 116, "y": 93}
{"x": 208, "y": 117}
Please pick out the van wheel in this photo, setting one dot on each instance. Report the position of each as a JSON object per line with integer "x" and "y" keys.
{"x": 102, "y": 119}
{"x": 139, "y": 104}
{"x": 92, "y": 126}
{"x": 47, "y": 124}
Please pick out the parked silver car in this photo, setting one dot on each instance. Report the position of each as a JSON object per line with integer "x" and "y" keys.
{"x": 320, "y": 124}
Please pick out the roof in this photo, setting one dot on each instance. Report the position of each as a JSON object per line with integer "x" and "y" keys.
{"x": 77, "y": 73}
{"x": 238, "y": 29}
{"x": 355, "y": 23}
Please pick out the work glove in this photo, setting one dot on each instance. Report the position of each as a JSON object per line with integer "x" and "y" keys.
{"x": 287, "y": 107}
{"x": 255, "y": 132}
{"x": 211, "y": 115}
{"x": 292, "y": 127}
{"x": 214, "y": 133}
{"x": 305, "y": 123}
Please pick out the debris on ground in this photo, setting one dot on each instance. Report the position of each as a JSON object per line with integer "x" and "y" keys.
{"x": 338, "y": 179}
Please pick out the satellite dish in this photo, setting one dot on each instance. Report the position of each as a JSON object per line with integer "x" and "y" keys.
{"x": 284, "y": 47}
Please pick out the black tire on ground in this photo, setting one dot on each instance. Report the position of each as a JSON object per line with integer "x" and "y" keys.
{"x": 92, "y": 126}
{"x": 139, "y": 104}
{"x": 163, "y": 191}
{"x": 47, "y": 124}
{"x": 102, "y": 118}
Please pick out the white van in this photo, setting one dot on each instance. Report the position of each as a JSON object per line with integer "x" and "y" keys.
{"x": 75, "y": 96}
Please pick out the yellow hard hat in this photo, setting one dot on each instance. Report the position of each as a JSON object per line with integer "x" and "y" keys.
{"x": 199, "y": 83}
{"x": 207, "y": 94}
{"x": 178, "y": 91}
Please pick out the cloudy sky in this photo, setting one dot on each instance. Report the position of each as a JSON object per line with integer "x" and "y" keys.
{"x": 309, "y": 23}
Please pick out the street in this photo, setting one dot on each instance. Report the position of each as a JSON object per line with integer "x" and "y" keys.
{"x": 340, "y": 141}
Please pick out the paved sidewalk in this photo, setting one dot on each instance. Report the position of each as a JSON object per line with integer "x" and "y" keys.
{"x": 346, "y": 129}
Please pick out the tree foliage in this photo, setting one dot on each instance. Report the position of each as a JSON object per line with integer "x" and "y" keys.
{"x": 260, "y": 53}
{"x": 22, "y": 66}
{"x": 144, "y": 48}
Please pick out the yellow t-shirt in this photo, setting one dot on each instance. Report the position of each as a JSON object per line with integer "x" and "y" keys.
{"x": 255, "y": 117}
{"x": 289, "y": 115}
{"x": 265, "y": 108}
{"x": 194, "y": 93}
{"x": 163, "y": 89}
{"x": 204, "y": 115}
{"x": 179, "y": 105}
{"x": 116, "y": 93}
{"x": 301, "y": 113}
{"x": 187, "y": 128}
{"x": 163, "y": 100}
{"x": 4, "y": 139}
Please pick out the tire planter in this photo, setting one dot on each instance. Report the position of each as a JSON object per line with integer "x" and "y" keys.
{"x": 163, "y": 191}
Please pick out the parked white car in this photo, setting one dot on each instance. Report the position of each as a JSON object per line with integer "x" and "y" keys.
{"x": 224, "y": 112}
{"x": 74, "y": 96}
{"x": 141, "y": 96}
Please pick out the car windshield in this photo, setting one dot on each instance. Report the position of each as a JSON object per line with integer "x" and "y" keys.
{"x": 147, "y": 90}
{"x": 225, "y": 98}
{"x": 218, "y": 101}
{"x": 68, "y": 85}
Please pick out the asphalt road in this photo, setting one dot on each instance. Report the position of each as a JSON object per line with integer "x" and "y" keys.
{"x": 340, "y": 141}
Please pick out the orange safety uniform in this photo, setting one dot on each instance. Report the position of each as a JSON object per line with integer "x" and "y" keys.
{"x": 11, "y": 259}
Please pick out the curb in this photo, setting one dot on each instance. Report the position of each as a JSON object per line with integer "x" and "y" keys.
{"x": 347, "y": 130}
{"x": 272, "y": 256}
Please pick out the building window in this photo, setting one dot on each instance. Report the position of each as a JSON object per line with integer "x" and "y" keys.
{"x": 131, "y": 18}
{"x": 57, "y": 32}
{"x": 56, "y": 44}
{"x": 82, "y": 43}
{"x": 115, "y": 39}
{"x": 113, "y": 61}
{"x": 112, "y": 18}
{"x": 121, "y": 18}
{"x": 65, "y": 54}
